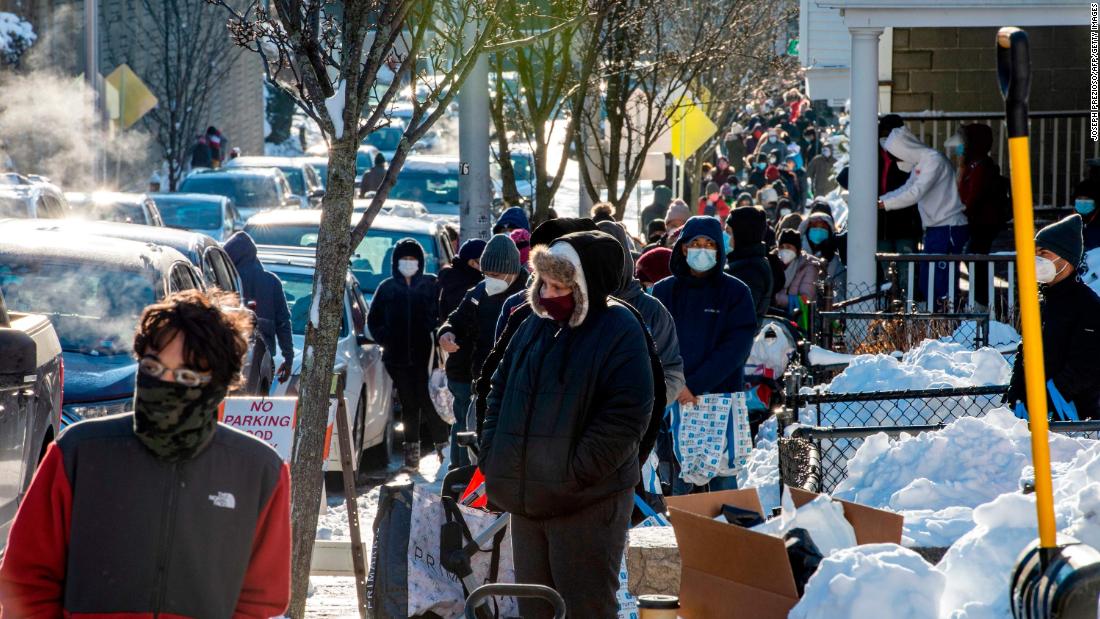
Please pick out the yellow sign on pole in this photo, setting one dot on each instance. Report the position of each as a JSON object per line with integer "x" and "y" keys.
{"x": 128, "y": 98}
{"x": 691, "y": 128}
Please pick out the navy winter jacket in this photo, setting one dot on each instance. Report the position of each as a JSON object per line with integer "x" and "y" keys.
{"x": 715, "y": 316}
{"x": 266, "y": 290}
{"x": 403, "y": 314}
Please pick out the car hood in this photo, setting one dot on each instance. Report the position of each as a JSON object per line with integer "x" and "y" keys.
{"x": 90, "y": 378}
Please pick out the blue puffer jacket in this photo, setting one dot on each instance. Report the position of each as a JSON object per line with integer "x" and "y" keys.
{"x": 272, "y": 313}
{"x": 715, "y": 316}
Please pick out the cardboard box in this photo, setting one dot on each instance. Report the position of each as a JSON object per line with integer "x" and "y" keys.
{"x": 732, "y": 572}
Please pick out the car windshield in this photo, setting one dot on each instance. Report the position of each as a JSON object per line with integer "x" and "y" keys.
{"x": 94, "y": 308}
{"x": 370, "y": 264}
{"x": 426, "y": 186}
{"x": 322, "y": 172}
{"x": 190, "y": 215}
{"x": 385, "y": 139}
{"x": 124, "y": 212}
{"x": 296, "y": 179}
{"x": 298, "y": 288}
{"x": 245, "y": 191}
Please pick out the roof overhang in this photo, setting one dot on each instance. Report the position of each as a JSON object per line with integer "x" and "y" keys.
{"x": 956, "y": 14}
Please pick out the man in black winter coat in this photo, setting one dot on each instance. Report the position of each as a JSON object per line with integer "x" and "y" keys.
{"x": 266, "y": 291}
{"x": 748, "y": 261}
{"x": 468, "y": 333}
{"x": 1070, "y": 312}
{"x": 402, "y": 318}
{"x": 567, "y": 410}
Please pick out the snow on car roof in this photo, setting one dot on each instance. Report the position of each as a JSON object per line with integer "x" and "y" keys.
{"x": 184, "y": 241}
{"x": 264, "y": 162}
{"x": 80, "y": 198}
{"x": 188, "y": 197}
{"x": 80, "y": 247}
{"x": 440, "y": 164}
{"x": 292, "y": 217}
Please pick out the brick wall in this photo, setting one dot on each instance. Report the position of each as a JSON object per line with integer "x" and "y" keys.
{"x": 954, "y": 69}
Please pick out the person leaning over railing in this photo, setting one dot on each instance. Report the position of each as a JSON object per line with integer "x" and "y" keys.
{"x": 1070, "y": 312}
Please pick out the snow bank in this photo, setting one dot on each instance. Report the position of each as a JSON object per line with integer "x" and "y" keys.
{"x": 931, "y": 365}
{"x": 936, "y": 479}
{"x": 1000, "y": 334}
{"x": 761, "y": 471}
{"x": 872, "y": 581}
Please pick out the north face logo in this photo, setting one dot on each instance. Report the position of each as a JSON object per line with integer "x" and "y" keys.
{"x": 223, "y": 499}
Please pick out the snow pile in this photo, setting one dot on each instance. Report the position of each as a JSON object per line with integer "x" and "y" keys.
{"x": 823, "y": 518}
{"x": 761, "y": 471}
{"x": 931, "y": 365}
{"x": 16, "y": 36}
{"x": 1092, "y": 276}
{"x": 872, "y": 581}
{"x": 1000, "y": 334}
{"x": 936, "y": 479}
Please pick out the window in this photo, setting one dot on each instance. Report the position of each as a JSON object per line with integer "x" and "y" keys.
{"x": 180, "y": 213}
{"x": 297, "y": 180}
{"x": 216, "y": 269}
{"x": 426, "y": 186}
{"x": 245, "y": 191}
{"x": 371, "y": 262}
{"x": 358, "y": 310}
{"x": 182, "y": 277}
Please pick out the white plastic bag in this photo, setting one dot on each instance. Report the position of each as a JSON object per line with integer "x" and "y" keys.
{"x": 442, "y": 397}
{"x": 711, "y": 438}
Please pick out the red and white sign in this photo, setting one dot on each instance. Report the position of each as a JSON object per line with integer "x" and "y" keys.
{"x": 270, "y": 419}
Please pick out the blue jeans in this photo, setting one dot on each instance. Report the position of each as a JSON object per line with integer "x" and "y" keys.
{"x": 460, "y": 456}
{"x": 941, "y": 240}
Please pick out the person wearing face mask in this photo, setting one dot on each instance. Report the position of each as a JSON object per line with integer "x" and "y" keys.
{"x": 772, "y": 144}
{"x": 820, "y": 172}
{"x": 748, "y": 261}
{"x": 820, "y": 240}
{"x": 932, "y": 187}
{"x": 984, "y": 193}
{"x": 163, "y": 510}
{"x": 463, "y": 273}
{"x": 402, "y": 318}
{"x": 1070, "y": 313}
{"x": 711, "y": 202}
{"x": 568, "y": 410}
{"x": 469, "y": 331}
{"x": 801, "y": 273}
{"x": 722, "y": 172}
{"x": 899, "y": 231}
{"x": 756, "y": 173}
{"x": 1085, "y": 203}
{"x": 714, "y": 311}
{"x": 811, "y": 146}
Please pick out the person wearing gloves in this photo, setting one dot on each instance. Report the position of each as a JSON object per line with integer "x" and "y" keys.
{"x": 748, "y": 261}
{"x": 1070, "y": 313}
{"x": 513, "y": 218}
{"x": 801, "y": 272}
{"x": 656, "y": 317}
{"x": 471, "y": 328}
{"x": 931, "y": 186}
{"x": 567, "y": 411}
{"x": 402, "y": 318}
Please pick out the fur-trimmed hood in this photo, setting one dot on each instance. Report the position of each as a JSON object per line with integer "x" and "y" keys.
{"x": 590, "y": 262}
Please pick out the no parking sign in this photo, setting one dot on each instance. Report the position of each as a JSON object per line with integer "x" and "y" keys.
{"x": 270, "y": 419}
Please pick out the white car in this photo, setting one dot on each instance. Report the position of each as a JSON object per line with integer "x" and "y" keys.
{"x": 368, "y": 390}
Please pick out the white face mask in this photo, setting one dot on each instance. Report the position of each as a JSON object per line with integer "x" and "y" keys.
{"x": 408, "y": 266}
{"x": 825, "y": 152}
{"x": 494, "y": 286}
{"x": 1045, "y": 271}
{"x": 787, "y": 256}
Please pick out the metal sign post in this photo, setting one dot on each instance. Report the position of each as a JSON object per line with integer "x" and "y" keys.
{"x": 344, "y": 436}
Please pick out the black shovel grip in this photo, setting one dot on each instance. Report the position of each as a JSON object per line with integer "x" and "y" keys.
{"x": 1014, "y": 75}
{"x": 518, "y": 591}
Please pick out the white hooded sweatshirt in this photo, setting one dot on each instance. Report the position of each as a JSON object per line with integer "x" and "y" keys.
{"x": 931, "y": 185}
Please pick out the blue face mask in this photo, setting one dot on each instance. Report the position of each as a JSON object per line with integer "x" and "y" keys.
{"x": 959, "y": 148}
{"x": 1084, "y": 206}
{"x": 761, "y": 165}
{"x": 701, "y": 260}
{"x": 817, "y": 236}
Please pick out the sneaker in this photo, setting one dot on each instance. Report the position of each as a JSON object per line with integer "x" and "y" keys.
{"x": 412, "y": 457}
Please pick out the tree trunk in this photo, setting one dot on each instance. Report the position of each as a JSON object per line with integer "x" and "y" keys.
{"x": 333, "y": 249}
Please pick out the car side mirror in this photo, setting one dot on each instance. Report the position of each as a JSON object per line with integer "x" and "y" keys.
{"x": 19, "y": 361}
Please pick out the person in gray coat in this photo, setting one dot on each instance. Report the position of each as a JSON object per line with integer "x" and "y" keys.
{"x": 657, "y": 319}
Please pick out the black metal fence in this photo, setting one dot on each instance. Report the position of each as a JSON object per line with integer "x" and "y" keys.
{"x": 843, "y": 420}
{"x": 885, "y": 332}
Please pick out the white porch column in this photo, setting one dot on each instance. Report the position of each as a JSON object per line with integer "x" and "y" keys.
{"x": 863, "y": 164}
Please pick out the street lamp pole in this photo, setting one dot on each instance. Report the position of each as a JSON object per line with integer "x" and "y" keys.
{"x": 473, "y": 146}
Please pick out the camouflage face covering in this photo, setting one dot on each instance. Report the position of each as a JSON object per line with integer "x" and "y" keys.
{"x": 172, "y": 420}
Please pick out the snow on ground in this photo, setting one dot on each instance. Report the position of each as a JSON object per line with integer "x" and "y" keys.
{"x": 957, "y": 486}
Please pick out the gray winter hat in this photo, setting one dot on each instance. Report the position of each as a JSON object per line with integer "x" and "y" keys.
{"x": 1065, "y": 238}
{"x": 500, "y": 256}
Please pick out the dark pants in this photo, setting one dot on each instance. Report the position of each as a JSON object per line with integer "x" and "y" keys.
{"x": 416, "y": 404}
{"x": 578, "y": 555}
{"x": 981, "y": 242}
{"x": 941, "y": 240}
{"x": 460, "y": 456}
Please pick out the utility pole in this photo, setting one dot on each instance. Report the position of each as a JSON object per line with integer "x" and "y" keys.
{"x": 91, "y": 77}
{"x": 474, "y": 194}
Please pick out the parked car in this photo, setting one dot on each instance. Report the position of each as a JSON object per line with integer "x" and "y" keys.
{"x": 208, "y": 214}
{"x": 251, "y": 189}
{"x": 132, "y": 208}
{"x": 385, "y": 139}
{"x": 319, "y": 163}
{"x": 31, "y": 197}
{"x": 370, "y": 262}
{"x": 304, "y": 181}
{"x": 203, "y": 252}
{"x": 31, "y": 372}
{"x": 368, "y": 388}
{"x": 93, "y": 289}
{"x": 431, "y": 180}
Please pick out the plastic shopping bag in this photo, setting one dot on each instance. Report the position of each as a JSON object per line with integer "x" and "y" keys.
{"x": 711, "y": 438}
